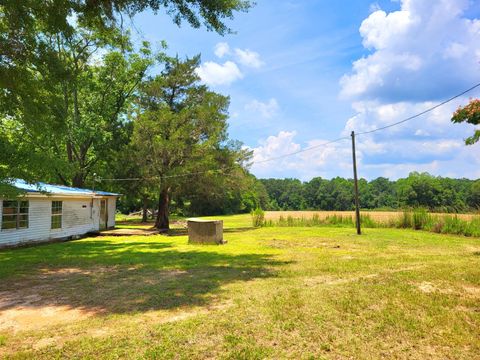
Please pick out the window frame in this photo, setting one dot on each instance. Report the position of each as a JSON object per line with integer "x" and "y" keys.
{"x": 56, "y": 213}
{"x": 20, "y": 215}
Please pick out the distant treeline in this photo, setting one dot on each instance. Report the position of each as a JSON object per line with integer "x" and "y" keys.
{"x": 417, "y": 190}
{"x": 242, "y": 194}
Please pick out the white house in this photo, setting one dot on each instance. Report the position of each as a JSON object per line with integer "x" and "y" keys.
{"x": 46, "y": 212}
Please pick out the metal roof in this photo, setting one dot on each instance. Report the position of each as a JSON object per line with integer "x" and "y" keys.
{"x": 57, "y": 189}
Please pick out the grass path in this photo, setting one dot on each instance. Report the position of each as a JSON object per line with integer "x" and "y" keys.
{"x": 299, "y": 293}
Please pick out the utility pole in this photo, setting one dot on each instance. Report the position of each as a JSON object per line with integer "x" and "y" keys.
{"x": 355, "y": 179}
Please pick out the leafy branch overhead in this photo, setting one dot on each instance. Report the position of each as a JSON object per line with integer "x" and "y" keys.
{"x": 68, "y": 74}
{"x": 470, "y": 114}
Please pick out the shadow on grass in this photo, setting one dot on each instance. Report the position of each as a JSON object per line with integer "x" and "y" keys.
{"x": 122, "y": 277}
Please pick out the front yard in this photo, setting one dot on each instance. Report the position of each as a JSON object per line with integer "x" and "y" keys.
{"x": 269, "y": 293}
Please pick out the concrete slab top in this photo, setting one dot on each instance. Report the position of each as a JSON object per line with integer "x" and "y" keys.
{"x": 204, "y": 220}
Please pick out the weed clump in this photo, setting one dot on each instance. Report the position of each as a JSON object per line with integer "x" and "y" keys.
{"x": 258, "y": 217}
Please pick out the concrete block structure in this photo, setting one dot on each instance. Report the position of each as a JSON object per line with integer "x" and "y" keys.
{"x": 205, "y": 231}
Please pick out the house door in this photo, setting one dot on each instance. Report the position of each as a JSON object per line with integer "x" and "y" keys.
{"x": 103, "y": 214}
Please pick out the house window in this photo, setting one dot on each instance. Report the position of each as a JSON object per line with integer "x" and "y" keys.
{"x": 56, "y": 214}
{"x": 14, "y": 214}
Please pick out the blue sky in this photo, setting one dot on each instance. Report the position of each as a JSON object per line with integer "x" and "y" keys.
{"x": 300, "y": 73}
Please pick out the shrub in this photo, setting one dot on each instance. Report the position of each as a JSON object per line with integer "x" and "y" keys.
{"x": 405, "y": 220}
{"x": 434, "y": 224}
{"x": 453, "y": 225}
{"x": 368, "y": 222}
{"x": 420, "y": 218}
{"x": 258, "y": 217}
{"x": 473, "y": 227}
{"x": 339, "y": 220}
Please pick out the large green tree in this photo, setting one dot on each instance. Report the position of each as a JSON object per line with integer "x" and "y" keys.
{"x": 181, "y": 127}
{"x": 75, "y": 118}
{"x": 48, "y": 77}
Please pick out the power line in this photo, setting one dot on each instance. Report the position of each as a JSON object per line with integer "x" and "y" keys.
{"x": 167, "y": 176}
{"x": 306, "y": 149}
{"x": 227, "y": 168}
{"x": 420, "y": 113}
{"x": 301, "y": 151}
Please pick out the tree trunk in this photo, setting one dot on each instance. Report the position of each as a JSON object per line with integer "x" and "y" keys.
{"x": 145, "y": 210}
{"x": 78, "y": 180}
{"x": 162, "y": 222}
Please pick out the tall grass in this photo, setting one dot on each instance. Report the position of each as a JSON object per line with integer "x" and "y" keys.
{"x": 258, "y": 217}
{"x": 315, "y": 220}
{"x": 417, "y": 219}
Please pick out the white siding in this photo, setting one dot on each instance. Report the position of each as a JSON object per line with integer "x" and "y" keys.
{"x": 78, "y": 218}
{"x": 111, "y": 208}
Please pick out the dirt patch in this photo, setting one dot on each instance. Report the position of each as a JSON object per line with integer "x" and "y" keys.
{"x": 47, "y": 272}
{"x": 156, "y": 317}
{"x": 45, "y": 342}
{"x": 180, "y": 315}
{"x": 427, "y": 287}
{"x": 472, "y": 290}
{"x": 46, "y": 299}
{"x": 33, "y": 318}
{"x": 330, "y": 280}
{"x": 468, "y": 291}
{"x": 304, "y": 243}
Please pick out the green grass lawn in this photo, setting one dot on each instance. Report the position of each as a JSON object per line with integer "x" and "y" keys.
{"x": 299, "y": 293}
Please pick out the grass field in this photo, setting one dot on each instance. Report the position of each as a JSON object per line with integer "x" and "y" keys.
{"x": 382, "y": 216}
{"x": 299, "y": 293}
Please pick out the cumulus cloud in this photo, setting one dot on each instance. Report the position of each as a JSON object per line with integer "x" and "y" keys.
{"x": 245, "y": 57}
{"x": 275, "y": 146}
{"x": 213, "y": 73}
{"x": 421, "y": 52}
{"x": 431, "y": 136}
{"x": 385, "y": 158}
{"x": 248, "y": 58}
{"x": 327, "y": 161}
{"x": 222, "y": 49}
{"x": 265, "y": 109}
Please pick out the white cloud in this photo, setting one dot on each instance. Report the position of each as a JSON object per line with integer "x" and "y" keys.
{"x": 380, "y": 29}
{"x": 213, "y": 73}
{"x": 375, "y": 114}
{"x": 421, "y": 132}
{"x": 463, "y": 162}
{"x": 423, "y": 51}
{"x": 322, "y": 161}
{"x": 428, "y": 143}
{"x": 275, "y": 146}
{"x": 420, "y": 55}
{"x": 265, "y": 109}
{"x": 222, "y": 49}
{"x": 455, "y": 51}
{"x": 248, "y": 58}
{"x": 384, "y": 157}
